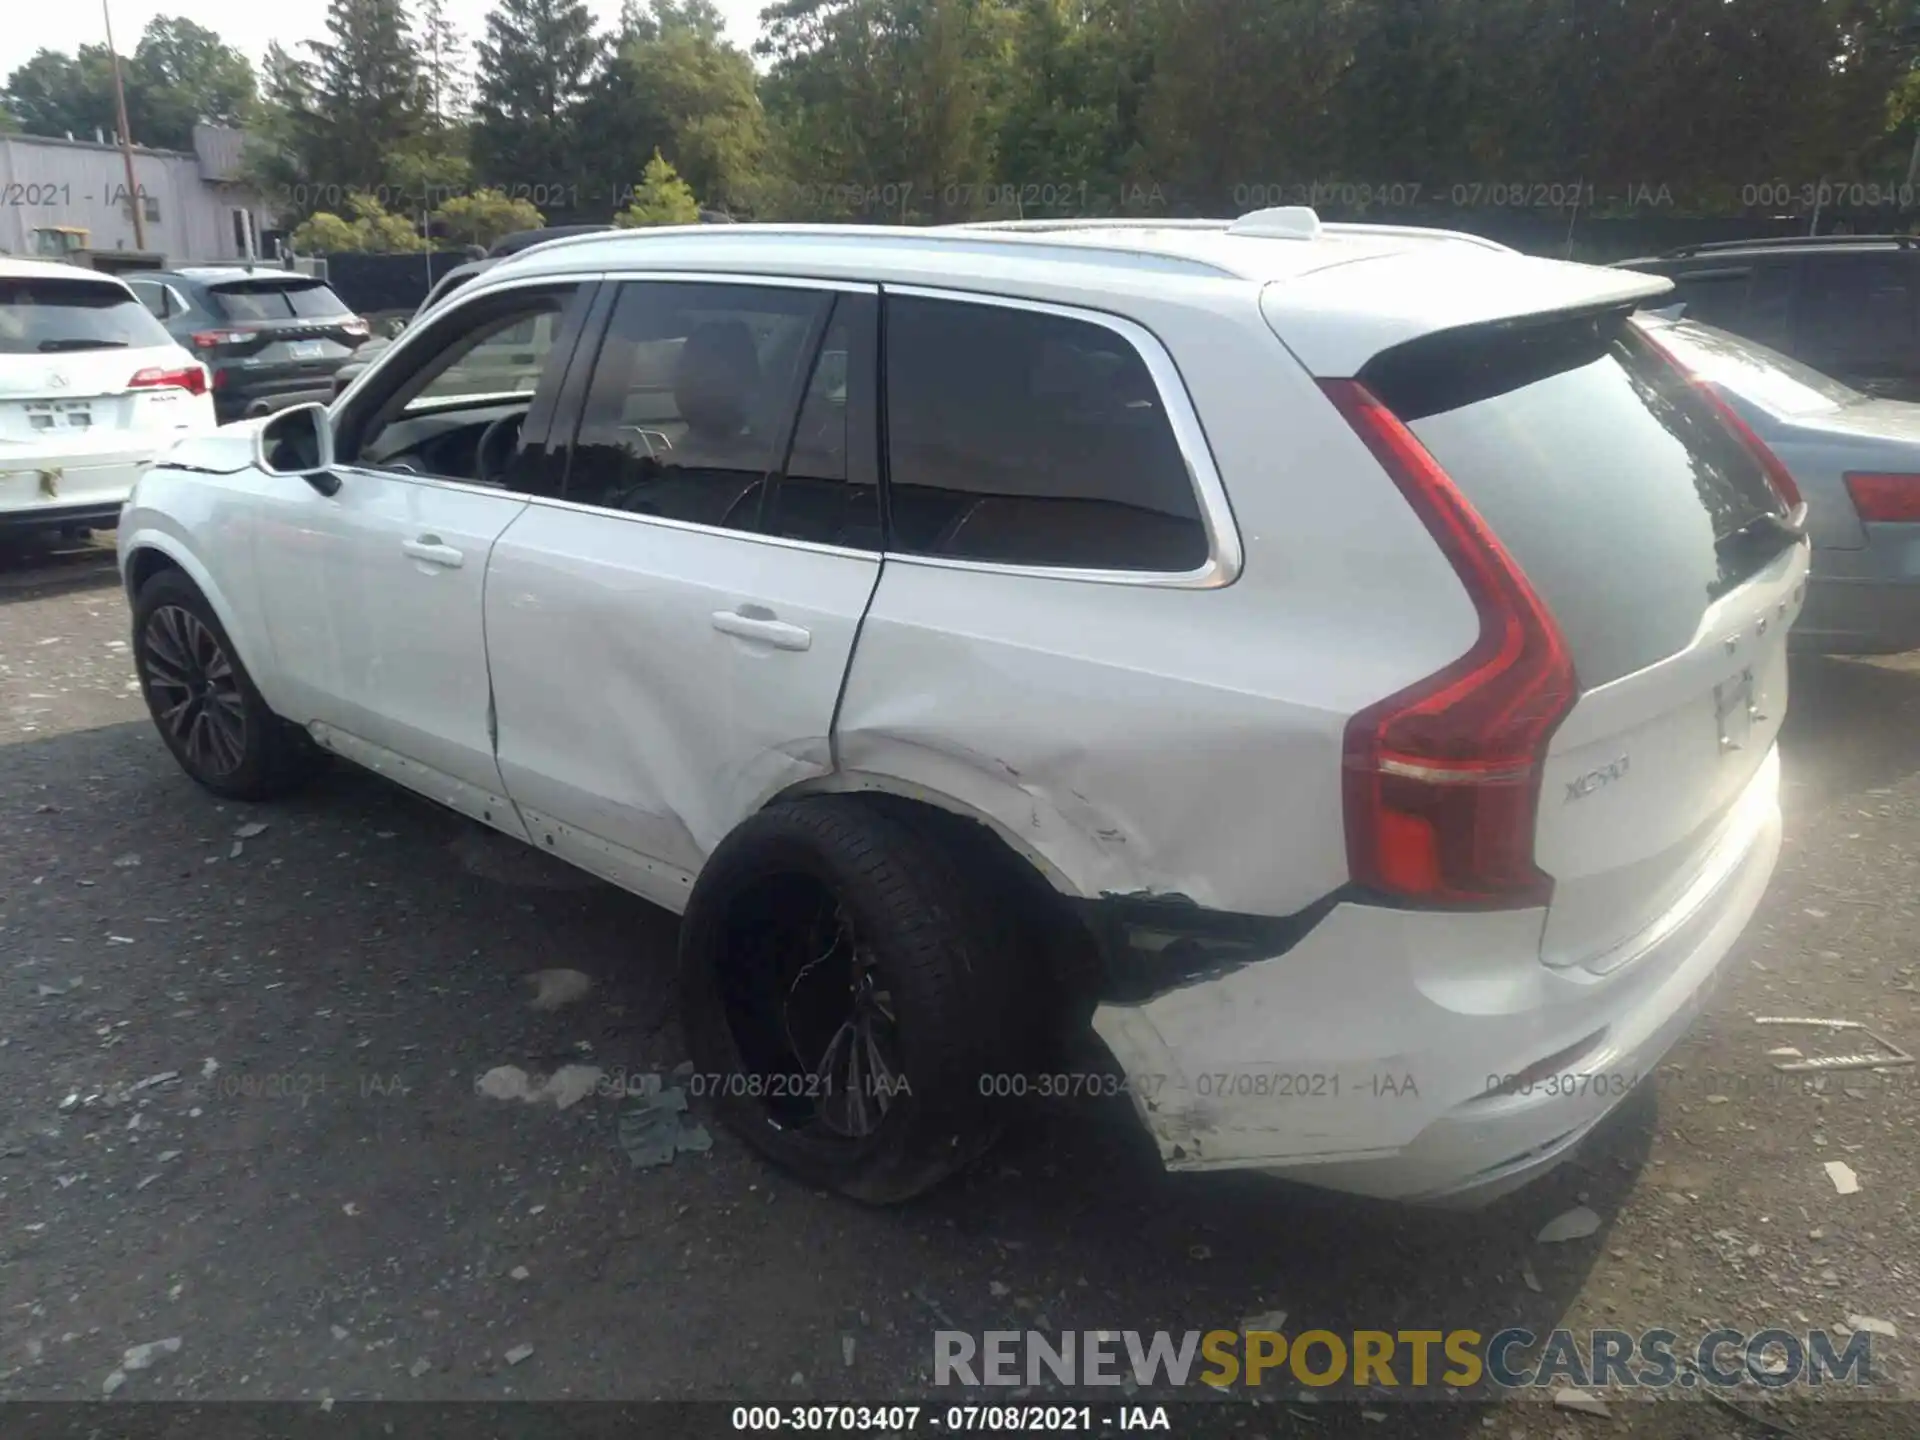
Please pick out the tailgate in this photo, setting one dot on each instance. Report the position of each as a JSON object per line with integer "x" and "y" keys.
{"x": 1652, "y": 534}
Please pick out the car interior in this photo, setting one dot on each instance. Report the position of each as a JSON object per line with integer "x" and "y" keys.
{"x": 689, "y": 424}
{"x": 460, "y": 418}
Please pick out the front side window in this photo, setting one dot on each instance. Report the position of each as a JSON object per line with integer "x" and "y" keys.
{"x": 692, "y": 399}
{"x": 456, "y": 407}
{"x": 1028, "y": 438}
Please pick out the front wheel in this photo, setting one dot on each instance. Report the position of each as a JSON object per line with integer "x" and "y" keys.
{"x": 204, "y": 702}
{"x": 849, "y": 993}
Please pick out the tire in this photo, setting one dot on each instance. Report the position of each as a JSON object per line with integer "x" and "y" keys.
{"x": 941, "y": 962}
{"x": 204, "y": 703}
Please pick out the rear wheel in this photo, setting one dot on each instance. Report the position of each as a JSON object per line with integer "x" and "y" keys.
{"x": 203, "y": 701}
{"x": 848, "y": 992}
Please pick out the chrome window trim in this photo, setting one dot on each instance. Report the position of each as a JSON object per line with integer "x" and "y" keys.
{"x": 1225, "y": 556}
{"x": 693, "y": 527}
{"x": 627, "y": 274}
{"x": 444, "y": 482}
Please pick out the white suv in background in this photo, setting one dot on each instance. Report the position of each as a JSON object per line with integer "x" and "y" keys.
{"x": 1343, "y": 663}
{"x": 92, "y": 388}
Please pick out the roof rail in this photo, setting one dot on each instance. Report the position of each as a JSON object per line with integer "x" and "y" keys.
{"x": 1247, "y": 225}
{"x": 1789, "y": 242}
{"x": 1091, "y": 222}
{"x": 1419, "y": 232}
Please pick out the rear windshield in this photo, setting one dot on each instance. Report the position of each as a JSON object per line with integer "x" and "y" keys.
{"x": 1749, "y": 369}
{"x": 277, "y": 300}
{"x": 41, "y": 316}
{"x": 1623, "y": 496}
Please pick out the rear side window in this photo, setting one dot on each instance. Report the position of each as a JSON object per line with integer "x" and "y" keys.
{"x": 1627, "y": 502}
{"x": 1029, "y": 438}
{"x": 1857, "y": 310}
{"x": 40, "y": 316}
{"x": 266, "y": 300}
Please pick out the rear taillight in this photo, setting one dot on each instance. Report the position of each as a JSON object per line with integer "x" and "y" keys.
{"x": 1886, "y": 499}
{"x": 191, "y": 378}
{"x": 208, "y": 339}
{"x": 354, "y": 326}
{"x": 1442, "y": 781}
{"x": 1770, "y": 464}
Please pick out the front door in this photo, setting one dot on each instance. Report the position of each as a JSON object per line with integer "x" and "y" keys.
{"x": 669, "y": 637}
{"x": 373, "y": 594}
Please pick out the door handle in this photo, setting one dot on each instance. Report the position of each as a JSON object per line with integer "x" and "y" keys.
{"x": 429, "y": 549}
{"x": 776, "y": 633}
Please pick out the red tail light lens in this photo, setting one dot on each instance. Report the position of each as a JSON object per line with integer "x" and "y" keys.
{"x": 1442, "y": 781}
{"x": 1889, "y": 499}
{"x": 1777, "y": 473}
{"x": 208, "y": 339}
{"x": 354, "y": 326}
{"x": 191, "y": 378}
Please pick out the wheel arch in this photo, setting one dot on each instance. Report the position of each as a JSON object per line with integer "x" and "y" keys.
{"x": 148, "y": 551}
{"x": 1049, "y": 902}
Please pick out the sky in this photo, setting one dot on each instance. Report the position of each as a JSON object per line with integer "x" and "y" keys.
{"x": 249, "y": 25}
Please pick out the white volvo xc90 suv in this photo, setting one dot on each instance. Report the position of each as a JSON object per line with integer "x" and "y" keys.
{"x": 1342, "y": 662}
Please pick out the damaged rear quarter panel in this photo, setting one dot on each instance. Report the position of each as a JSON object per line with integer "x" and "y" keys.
{"x": 1144, "y": 739}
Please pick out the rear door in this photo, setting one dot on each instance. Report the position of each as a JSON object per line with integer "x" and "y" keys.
{"x": 1644, "y": 524}
{"x": 668, "y": 639}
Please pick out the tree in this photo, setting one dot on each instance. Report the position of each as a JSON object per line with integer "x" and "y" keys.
{"x": 536, "y": 61}
{"x": 348, "y": 116}
{"x": 56, "y": 94}
{"x": 443, "y": 67}
{"x": 675, "y": 86}
{"x": 182, "y": 75}
{"x": 662, "y": 198}
{"x": 371, "y": 227}
{"x": 484, "y": 216}
{"x": 366, "y": 96}
{"x": 885, "y": 108}
{"x": 178, "y": 75}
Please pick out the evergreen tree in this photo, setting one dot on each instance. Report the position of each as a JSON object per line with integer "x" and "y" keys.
{"x": 537, "y": 61}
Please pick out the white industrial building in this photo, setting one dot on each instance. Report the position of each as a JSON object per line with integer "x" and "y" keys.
{"x": 62, "y": 195}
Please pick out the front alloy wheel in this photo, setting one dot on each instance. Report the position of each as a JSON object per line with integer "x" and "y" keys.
{"x": 194, "y": 692}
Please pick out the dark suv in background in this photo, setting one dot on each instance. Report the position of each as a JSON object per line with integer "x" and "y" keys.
{"x": 271, "y": 338}
{"x": 1847, "y": 305}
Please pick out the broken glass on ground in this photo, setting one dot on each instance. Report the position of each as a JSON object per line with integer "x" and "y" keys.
{"x": 655, "y": 1126}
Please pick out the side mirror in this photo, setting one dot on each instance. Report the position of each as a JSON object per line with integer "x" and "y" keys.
{"x": 298, "y": 441}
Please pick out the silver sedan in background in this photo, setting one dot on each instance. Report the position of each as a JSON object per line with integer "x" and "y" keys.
{"x": 1856, "y": 460}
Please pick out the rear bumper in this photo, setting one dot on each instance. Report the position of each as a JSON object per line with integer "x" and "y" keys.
{"x": 1370, "y": 1057}
{"x": 67, "y": 491}
{"x": 1864, "y": 601}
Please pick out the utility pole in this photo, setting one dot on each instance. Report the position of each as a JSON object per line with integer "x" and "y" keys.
{"x": 126, "y": 140}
